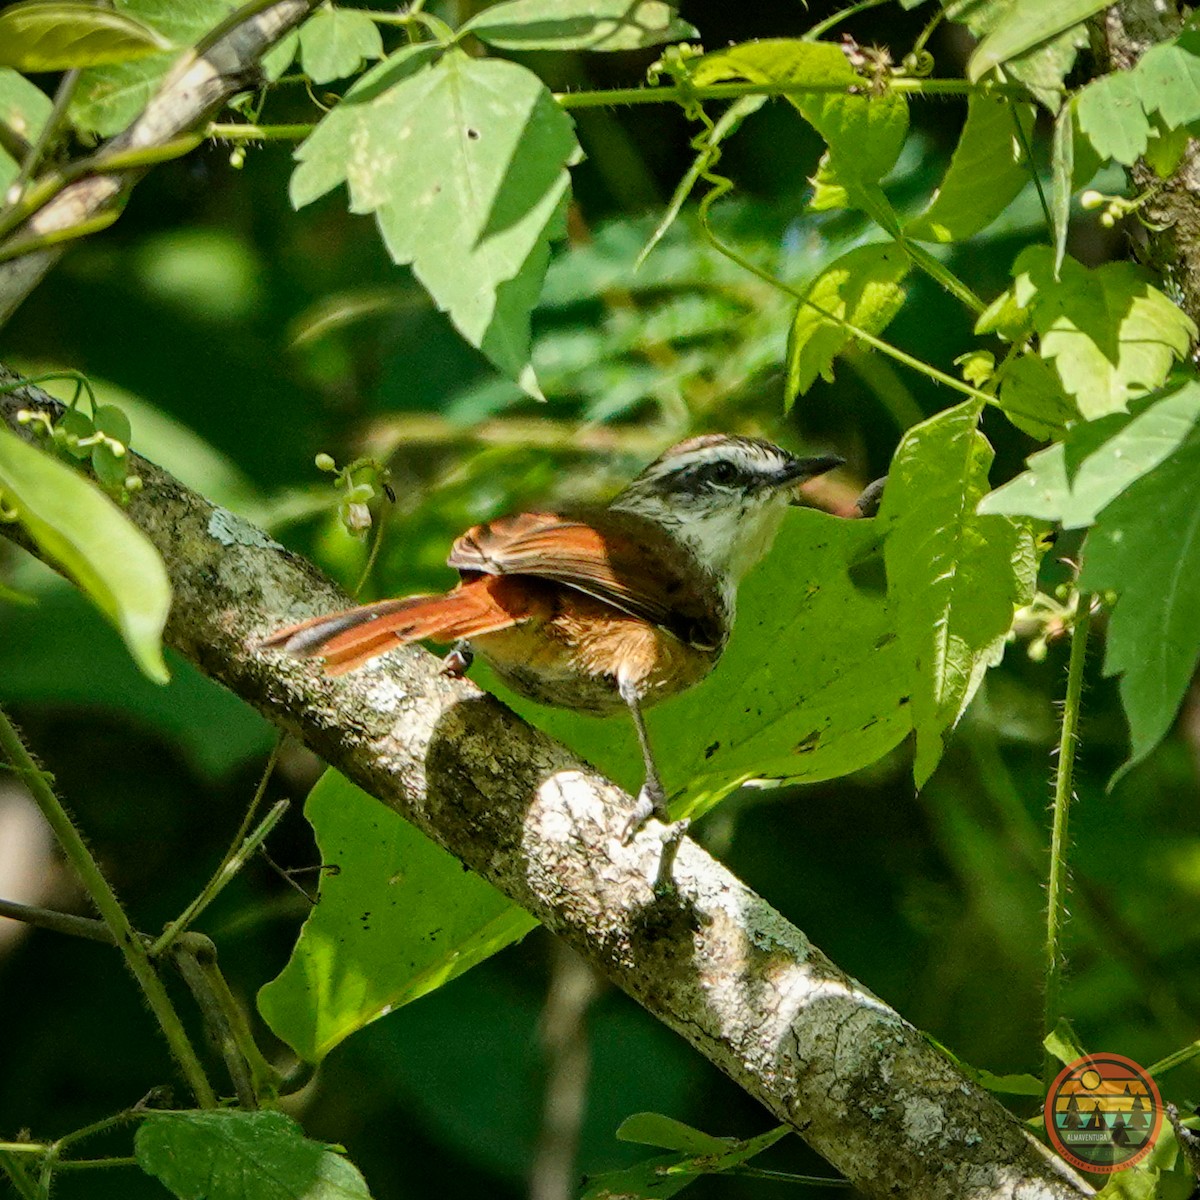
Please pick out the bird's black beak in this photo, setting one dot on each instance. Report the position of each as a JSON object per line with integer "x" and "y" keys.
{"x": 800, "y": 469}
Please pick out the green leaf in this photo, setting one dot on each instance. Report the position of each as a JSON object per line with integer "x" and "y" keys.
{"x": 1072, "y": 481}
{"x": 1042, "y": 68}
{"x": 659, "y": 1178}
{"x": 464, "y": 163}
{"x": 1168, "y": 80}
{"x": 807, "y": 690}
{"x": 666, "y": 1133}
{"x": 1110, "y": 334}
{"x": 1145, "y": 546}
{"x": 223, "y": 1154}
{"x": 55, "y": 35}
{"x": 1005, "y": 1085}
{"x": 864, "y": 133}
{"x": 1031, "y": 396}
{"x": 863, "y": 287}
{"x": 1110, "y": 115}
{"x": 24, "y": 108}
{"x": 1026, "y": 25}
{"x": 335, "y": 42}
{"x": 79, "y": 529}
{"x": 108, "y": 98}
{"x": 1063, "y": 1043}
{"x": 986, "y": 173}
{"x": 1062, "y": 180}
{"x": 578, "y": 25}
{"x": 398, "y": 919}
{"x": 954, "y": 577}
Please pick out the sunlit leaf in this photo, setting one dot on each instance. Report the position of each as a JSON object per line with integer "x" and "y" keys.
{"x": 863, "y": 287}
{"x": 1145, "y": 546}
{"x": 864, "y": 132}
{"x": 1109, "y": 333}
{"x": 1168, "y": 79}
{"x": 1041, "y": 68}
{"x": 335, "y": 42}
{"x": 986, "y": 172}
{"x": 79, "y": 529}
{"x": 225, "y": 1154}
{"x": 464, "y": 162}
{"x": 56, "y": 35}
{"x": 1025, "y": 25}
{"x": 399, "y": 918}
{"x": 1074, "y": 479}
{"x": 954, "y": 577}
{"x": 578, "y": 25}
{"x": 1110, "y": 115}
{"x": 666, "y": 1133}
{"x": 1032, "y": 397}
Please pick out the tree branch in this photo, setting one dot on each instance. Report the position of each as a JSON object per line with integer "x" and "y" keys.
{"x": 715, "y": 962}
{"x": 194, "y": 90}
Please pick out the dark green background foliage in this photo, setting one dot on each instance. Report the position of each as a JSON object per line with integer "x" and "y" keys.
{"x": 242, "y": 337}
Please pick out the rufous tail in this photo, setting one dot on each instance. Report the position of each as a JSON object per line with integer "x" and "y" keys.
{"x": 349, "y": 639}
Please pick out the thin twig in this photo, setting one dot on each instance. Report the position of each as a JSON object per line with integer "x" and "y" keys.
{"x": 109, "y": 907}
{"x": 1064, "y": 782}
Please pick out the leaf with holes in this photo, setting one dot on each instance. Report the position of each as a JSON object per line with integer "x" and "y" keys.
{"x": 865, "y": 288}
{"x": 397, "y": 919}
{"x": 954, "y": 577}
{"x": 1110, "y": 115}
{"x": 578, "y": 25}
{"x": 464, "y": 163}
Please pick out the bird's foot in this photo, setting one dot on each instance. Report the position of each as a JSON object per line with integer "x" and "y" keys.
{"x": 458, "y": 661}
{"x": 651, "y": 802}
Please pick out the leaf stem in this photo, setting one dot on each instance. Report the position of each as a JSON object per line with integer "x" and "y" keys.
{"x": 104, "y": 898}
{"x": 676, "y": 94}
{"x": 1064, "y": 777}
{"x": 843, "y": 14}
{"x": 916, "y": 364}
{"x": 58, "y": 922}
{"x": 13, "y": 1168}
{"x": 230, "y": 865}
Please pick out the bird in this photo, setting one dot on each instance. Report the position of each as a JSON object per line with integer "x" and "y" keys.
{"x": 595, "y": 610}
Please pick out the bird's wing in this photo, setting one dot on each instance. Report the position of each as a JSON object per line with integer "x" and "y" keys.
{"x": 613, "y": 560}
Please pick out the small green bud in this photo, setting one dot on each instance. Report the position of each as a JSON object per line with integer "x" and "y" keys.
{"x": 324, "y": 462}
{"x": 133, "y": 483}
{"x": 1107, "y": 219}
{"x": 1092, "y": 199}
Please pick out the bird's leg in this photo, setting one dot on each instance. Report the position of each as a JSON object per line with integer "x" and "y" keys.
{"x": 652, "y": 799}
{"x": 459, "y": 659}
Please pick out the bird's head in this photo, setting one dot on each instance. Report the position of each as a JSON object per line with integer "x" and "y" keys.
{"x": 722, "y": 494}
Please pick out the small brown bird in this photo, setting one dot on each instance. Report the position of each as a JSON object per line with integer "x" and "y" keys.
{"x": 618, "y": 607}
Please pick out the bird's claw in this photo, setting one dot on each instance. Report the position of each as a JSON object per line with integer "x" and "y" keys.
{"x": 651, "y": 802}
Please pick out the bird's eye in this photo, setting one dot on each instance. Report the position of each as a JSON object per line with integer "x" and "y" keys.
{"x": 722, "y": 472}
